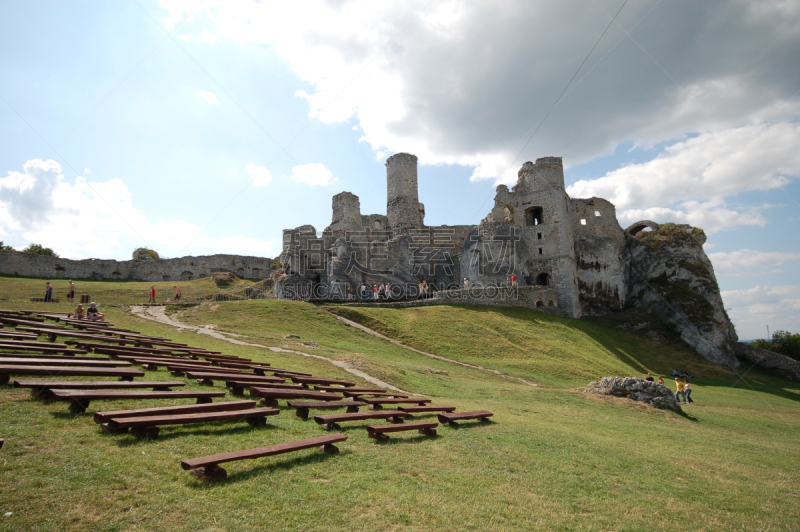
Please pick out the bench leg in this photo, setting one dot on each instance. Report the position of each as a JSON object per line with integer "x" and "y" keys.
{"x": 210, "y": 473}
{"x": 259, "y": 371}
{"x": 4, "y": 378}
{"x": 236, "y": 391}
{"x": 78, "y": 406}
{"x": 150, "y": 367}
{"x": 108, "y": 429}
{"x": 162, "y": 389}
{"x": 377, "y": 407}
{"x": 176, "y": 373}
{"x": 397, "y": 419}
{"x": 205, "y": 382}
{"x": 257, "y": 421}
{"x": 145, "y": 433}
{"x": 329, "y": 448}
{"x": 204, "y": 400}
{"x": 126, "y": 378}
{"x": 352, "y": 409}
{"x": 331, "y": 426}
{"x": 268, "y": 401}
{"x": 302, "y": 413}
{"x": 380, "y": 436}
{"x": 51, "y": 337}
{"x": 428, "y": 432}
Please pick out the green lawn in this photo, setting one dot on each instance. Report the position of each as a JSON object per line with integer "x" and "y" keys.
{"x": 554, "y": 458}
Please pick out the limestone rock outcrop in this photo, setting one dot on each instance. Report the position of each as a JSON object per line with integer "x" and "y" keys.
{"x": 637, "y": 389}
{"x": 772, "y": 362}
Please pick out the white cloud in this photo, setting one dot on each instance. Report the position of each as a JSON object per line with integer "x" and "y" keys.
{"x": 261, "y": 175}
{"x": 753, "y": 309}
{"x": 205, "y": 36}
{"x": 312, "y": 174}
{"x": 208, "y": 96}
{"x": 94, "y": 219}
{"x": 748, "y": 261}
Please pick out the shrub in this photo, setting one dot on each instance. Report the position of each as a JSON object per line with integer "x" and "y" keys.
{"x": 38, "y": 249}
{"x": 4, "y": 247}
{"x": 782, "y": 342}
{"x": 141, "y": 253}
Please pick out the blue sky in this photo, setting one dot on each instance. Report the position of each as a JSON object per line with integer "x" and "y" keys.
{"x": 208, "y": 127}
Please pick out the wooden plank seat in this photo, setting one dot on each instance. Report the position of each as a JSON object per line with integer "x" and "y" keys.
{"x": 238, "y": 386}
{"x": 278, "y": 372}
{"x": 455, "y": 417}
{"x": 178, "y": 369}
{"x": 207, "y": 467}
{"x": 270, "y": 396}
{"x": 147, "y": 426}
{"x": 18, "y": 335}
{"x": 300, "y": 379}
{"x": 207, "y": 377}
{"x": 304, "y": 406}
{"x": 41, "y": 388}
{"x": 28, "y": 320}
{"x": 331, "y": 421}
{"x": 423, "y": 409}
{"x": 52, "y": 334}
{"x": 377, "y": 403}
{"x": 349, "y": 389}
{"x": 397, "y": 395}
{"x": 125, "y": 374}
{"x": 41, "y": 349}
{"x": 80, "y": 399}
{"x": 379, "y": 431}
{"x": 65, "y": 361}
{"x": 3, "y": 356}
{"x": 222, "y": 406}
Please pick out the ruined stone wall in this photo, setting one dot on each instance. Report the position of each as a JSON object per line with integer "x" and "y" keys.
{"x": 600, "y": 251}
{"x": 346, "y": 212}
{"x": 179, "y": 269}
{"x": 402, "y": 200}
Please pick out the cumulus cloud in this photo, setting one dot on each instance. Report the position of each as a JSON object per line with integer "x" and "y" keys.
{"x": 208, "y": 96}
{"x": 312, "y": 174}
{"x": 753, "y": 309}
{"x": 261, "y": 175}
{"x": 97, "y": 219}
{"x": 749, "y": 261}
{"x": 456, "y": 82}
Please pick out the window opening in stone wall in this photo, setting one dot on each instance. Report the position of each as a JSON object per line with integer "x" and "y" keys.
{"x": 543, "y": 279}
{"x": 534, "y": 216}
{"x": 583, "y": 221}
{"x": 597, "y": 213}
{"x": 508, "y": 214}
{"x": 539, "y": 304}
{"x": 538, "y": 236}
{"x": 377, "y": 225}
{"x": 541, "y": 251}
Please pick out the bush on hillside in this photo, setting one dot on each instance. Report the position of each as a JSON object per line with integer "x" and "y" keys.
{"x": 39, "y": 249}
{"x": 145, "y": 254}
{"x": 782, "y": 342}
{"x": 4, "y": 247}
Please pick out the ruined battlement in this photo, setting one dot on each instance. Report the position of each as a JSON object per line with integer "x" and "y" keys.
{"x": 402, "y": 200}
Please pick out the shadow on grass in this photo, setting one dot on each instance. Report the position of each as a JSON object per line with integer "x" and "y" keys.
{"x": 469, "y": 424}
{"x": 126, "y": 439}
{"x": 397, "y": 440}
{"x": 266, "y": 469}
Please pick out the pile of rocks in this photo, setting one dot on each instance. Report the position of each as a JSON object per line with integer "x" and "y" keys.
{"x": 649, "y": 392}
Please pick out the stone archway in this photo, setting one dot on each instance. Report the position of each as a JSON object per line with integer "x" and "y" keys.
{"x": 636, "y": 228}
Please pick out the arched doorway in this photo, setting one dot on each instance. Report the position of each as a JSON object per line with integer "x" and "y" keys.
{"x": 543, "y": 279}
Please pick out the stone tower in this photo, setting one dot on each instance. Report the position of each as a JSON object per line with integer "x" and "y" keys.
{"x": 402, "y": 204}
{"x": 346, "y": 212}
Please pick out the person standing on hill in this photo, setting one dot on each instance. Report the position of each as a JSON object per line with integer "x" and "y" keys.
{"x": 177, "y": 294}
{"x": 71, "y": 293}
{"x": 48, "y": 293}
{"x": 679, "y": 392}
{"x": 513, "y": 281}
{"x": 687, "y": 390}
{"x": 152, "y": 294}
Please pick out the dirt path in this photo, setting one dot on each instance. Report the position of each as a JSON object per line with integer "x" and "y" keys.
{"x": 158, "y": 314}
{"x": 437, "y": 357}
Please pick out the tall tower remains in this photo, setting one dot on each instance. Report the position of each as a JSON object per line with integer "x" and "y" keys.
{"x": 402, "y": 205}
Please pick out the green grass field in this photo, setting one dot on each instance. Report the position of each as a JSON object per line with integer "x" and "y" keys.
{"x": 554, "y": 458}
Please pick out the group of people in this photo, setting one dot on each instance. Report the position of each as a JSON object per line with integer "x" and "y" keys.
{"x": 177, "y": 297}
{"x": 92, "y": 313}
{"x": 683, "y": 390}
{"x": 379, "y": 291}
{"x": 48, "y": 293}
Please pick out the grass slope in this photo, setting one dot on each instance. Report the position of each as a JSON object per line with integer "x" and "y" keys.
{"x": 553, "y": 459}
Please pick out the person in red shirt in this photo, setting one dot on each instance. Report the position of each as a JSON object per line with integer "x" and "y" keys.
{"x": 152, "y": 294}
{"x": 514, "y": 281}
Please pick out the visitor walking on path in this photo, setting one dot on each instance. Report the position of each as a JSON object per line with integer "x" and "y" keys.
{"x": 177, "y": 294}
{"x": 152, "y": 294}
{"x": 687, "y": 390}
{"x": 48, "y": 293}
{"x": 679, "y": 392}
{"x": 71, "y": 293}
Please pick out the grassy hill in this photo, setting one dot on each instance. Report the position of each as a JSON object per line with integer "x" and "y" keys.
{"x": 554, "y": 458}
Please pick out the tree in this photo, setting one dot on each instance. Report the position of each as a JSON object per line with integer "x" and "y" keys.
{"x": 4, "y": 247}
{"x": 782, "y": 342}
{"x": 39, "y": 249}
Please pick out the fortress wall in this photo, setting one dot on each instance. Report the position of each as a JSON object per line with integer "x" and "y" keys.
{"x": 179, "y": 269}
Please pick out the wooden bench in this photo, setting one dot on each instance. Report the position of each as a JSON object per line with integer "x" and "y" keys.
{"x": 208, "y": 377}
{"x": 65, "y": 361}
{"x": 15, "y": 335}
{"x": 304, "y": 406}
{"x": 423, "y": 409}
{"x": 331, "y": 421}
{"x": 278, "y": 372}
{"x": 300, "y": 379}
{"x": 374, "y": 395}
{"x": 124, "y": 374}
{"x": 147, "y": 426}
{"x": 378, "y": 403}
{"x": 46, "y": 348}
{"x": 4, "y": 356}
{"x": 349, "y": 389}
{"x": 40, "y": 388}
{"x": 237, "y": 387}
{"x": 452, "y": 419}
{"x": 207, "y": 467}
{"x": 223, "y": 406}
{"x": 270, "y": 396}
{"x": 379, "y": 431}
{"x": 80, "y": 399}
